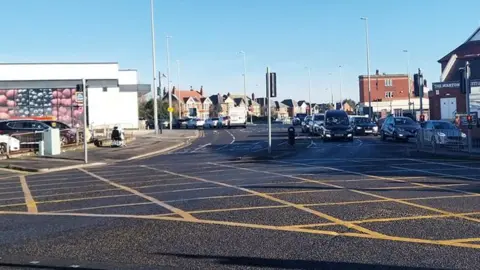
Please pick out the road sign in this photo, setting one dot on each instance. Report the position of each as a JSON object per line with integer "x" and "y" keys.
{"x": 79, "y": 97}
{"x": 170, "y": 109}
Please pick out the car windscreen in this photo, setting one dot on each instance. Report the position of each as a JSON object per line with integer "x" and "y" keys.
{"x": 337, "y": 120}
{"x": 443, "y": 125}
{"x": 404, "y": 121}
{"x": 215, "y": 119}
{"x": 319, "y": 117}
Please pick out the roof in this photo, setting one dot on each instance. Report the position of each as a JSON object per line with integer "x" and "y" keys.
{"x": 187, "y": 93}
{"x": 214, "y": 99}
{"x": 289, "y": 102}
{"x": 237, "y": 101}
{"x": 300, "y": 103}
{"x": 262, "y": 101}
{"x": 383, "y": 76}
{"x": 454, "y": 75}
{"x": 469, "y": 47}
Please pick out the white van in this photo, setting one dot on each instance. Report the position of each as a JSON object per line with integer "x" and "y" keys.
{"x": 238, "y": 117}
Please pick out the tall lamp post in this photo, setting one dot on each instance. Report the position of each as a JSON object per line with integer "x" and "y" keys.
{"x": 245, "y": 82}
{"x": 178, "y": 89}
{"x": 331, "y": 89}
{"x": 309, "y": 89}
{"x": 368, "y": 67}
{"x": 341, "y": 85}
{"x": 409, "y": 84}
{"x": 154, "y": 71}
{"x": 168, "y": 83}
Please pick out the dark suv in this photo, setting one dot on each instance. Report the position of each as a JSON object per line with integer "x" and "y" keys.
{"x": 336, "y": 126}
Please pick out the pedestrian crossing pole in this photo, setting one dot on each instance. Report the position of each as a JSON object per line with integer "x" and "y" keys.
{"x": 269, "y": 111}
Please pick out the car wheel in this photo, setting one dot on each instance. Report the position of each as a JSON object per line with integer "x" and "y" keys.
{"x": 63, "y": 140}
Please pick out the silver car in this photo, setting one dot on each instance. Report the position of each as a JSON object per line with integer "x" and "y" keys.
{"x": 443, "y": 133}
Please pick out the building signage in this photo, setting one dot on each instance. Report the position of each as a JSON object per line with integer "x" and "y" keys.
{"x": 440, "y": 85}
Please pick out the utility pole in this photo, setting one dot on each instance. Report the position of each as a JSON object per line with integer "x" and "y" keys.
{"x": 368, "y": 67}
{"x": 409, "y": 82}
{"x": 168, "y": 84}
{"x": 178, "y": 89}
{"x": 154, "y": 72}
{"x": 245, "y": 82}
{"x": 269, "y": 112}
{"x": 341, "y": 84}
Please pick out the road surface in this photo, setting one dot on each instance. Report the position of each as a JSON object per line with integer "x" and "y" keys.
{"x": 219, "y": 203}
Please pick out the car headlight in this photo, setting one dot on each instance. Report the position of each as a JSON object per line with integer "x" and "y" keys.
{"x": 441, "y": 134}
{"x": 359, "y": 127}
{"x": 375, "y": 128}
{"x": 464, "y": 135}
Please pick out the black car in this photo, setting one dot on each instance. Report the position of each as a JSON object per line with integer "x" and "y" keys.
{"x": 363, "y": 126}
{"x": 28, "y": 132}
{"x": 337, "y": 126}
{"x": 399, "y": 128}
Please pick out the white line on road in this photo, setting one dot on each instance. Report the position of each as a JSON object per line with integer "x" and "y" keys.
{"x": 201, "y": 147}
{"x": 233, "y": 137}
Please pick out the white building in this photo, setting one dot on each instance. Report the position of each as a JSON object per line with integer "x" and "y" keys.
{"x": 48, "y": 90}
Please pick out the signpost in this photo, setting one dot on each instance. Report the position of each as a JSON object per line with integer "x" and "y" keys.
{"x": 465, "y": 88}
{"x": 81, "y": 98}
{"x": 271, "y": 91}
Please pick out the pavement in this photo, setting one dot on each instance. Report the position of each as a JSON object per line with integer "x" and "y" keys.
{"x": 222, "y": 203}
{"x": 146, "y": 143}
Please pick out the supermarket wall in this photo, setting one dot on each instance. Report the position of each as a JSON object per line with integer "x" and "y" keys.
{"x": 107, "y": 105}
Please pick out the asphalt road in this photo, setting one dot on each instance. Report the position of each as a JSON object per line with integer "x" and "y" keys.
{"x": 219, "y": 203}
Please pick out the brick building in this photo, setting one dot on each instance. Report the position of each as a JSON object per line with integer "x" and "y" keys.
{"x": 389, "y": 92}
{"x": 445, "y": 98}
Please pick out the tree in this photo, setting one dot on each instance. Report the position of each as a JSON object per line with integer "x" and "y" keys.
{"x": 350, "y": 102}
{"x": 145, "y": 109}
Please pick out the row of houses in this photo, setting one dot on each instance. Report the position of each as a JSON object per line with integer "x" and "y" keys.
{"x": 194, "y": 103}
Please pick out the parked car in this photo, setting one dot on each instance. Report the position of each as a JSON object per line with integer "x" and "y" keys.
{"x": 306, "y": 124}
{"x": 10, "y": 143}
{"x": 29, "y": 132}
{"x": 337, "y": 126}
{"x": 298, "y": 119}
{"x": 211, "y": 122}
{"x": 183, "y": 123}
{"x": 195, "y": 123}
{"x": 399, "y": 128}
{"x": 223, "y": 121}
{"x": 318, "y": 120}
{"x": 362, "y": 125}
{"x": 68, "y": 134}
{"x": 443, "y": 133}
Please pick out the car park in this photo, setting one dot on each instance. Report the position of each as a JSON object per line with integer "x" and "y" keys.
{"x": 399, "y": 128}
{"x": 337, "y": 126}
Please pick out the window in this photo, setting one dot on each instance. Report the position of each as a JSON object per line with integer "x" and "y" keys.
{"x": 389, "y": 94}
{"x": 388, "y": 82}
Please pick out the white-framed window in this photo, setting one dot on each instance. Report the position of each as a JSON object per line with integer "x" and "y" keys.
{"x": 389, "y": 94}
{"x": 388, "y": 82}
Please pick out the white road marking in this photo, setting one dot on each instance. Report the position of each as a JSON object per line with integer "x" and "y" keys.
{"x": 201, "y": 147}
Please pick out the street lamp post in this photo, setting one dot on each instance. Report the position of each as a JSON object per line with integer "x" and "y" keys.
{"x": 178, "y": 89}
{"x": 168, "y": 83}
{"x": 154, "y": 70}
{"x": 409, "y": 84}
{"x": 331, "y": 89}
{"x": 341, "y": 84}
{"x": 245, "y": 82}
{"x": 368, "y": 66}
{"x": 309, "y": 89}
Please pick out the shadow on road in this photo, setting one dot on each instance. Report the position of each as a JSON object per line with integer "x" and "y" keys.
{"x": 285, "y": 263}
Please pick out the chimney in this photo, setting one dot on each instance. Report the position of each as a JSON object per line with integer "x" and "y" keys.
{"x": 173, "y": 90}
{"x": 191, "y": 88}
{"x": 253, "y": 96}
{"x": 228, "y": 94}
{"x": 201, "y": 90}
{"x": 377, "y": 72}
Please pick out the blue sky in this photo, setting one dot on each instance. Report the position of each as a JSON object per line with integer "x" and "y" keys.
{"x": 208, "y": 34}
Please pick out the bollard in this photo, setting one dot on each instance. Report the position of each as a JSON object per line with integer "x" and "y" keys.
{"x": 291, "y": 135}
{"x": 41, "y": 148}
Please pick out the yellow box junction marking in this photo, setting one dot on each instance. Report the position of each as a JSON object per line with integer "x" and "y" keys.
{"x": 29, "y": 201}
{"x": 271, "y": 198}
{"x": 180, "y": 212}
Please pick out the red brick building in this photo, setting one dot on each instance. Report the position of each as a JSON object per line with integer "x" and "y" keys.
{"x": 445, "y": 98}
{"x": 388, "y": 92}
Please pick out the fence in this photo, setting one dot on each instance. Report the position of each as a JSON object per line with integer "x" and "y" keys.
{"x": 446, "y": 141}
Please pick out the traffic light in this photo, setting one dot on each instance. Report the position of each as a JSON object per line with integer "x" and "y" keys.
{"x": 79, "y": 87}
{"x": 470, "y": 121}
{"x": 422, "y": 118}
{"x": 273, "y": 84}
{"x": 464, "y": 80}
{"x": 418, "y": 85}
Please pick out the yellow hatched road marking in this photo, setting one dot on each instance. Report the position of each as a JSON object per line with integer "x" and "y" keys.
{"x": 266, "y": 227}
{"x": 271, "y": 198}
{"x": 29, "y": 201}
{"x": 175, "y": 210}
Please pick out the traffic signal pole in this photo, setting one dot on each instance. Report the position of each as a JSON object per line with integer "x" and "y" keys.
{"x": 85, "y": 128}
{"x": 467, "y": 103}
